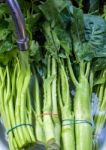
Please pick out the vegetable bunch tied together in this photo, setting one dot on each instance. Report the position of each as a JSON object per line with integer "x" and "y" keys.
{"x": 46, "y": 92}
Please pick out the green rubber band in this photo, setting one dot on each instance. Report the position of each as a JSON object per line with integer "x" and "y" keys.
{"x": 83, "y": 121}
{"x": 67, "y": 122}
{"x": 71, "y": 122}
{"x": 17, "y": 126}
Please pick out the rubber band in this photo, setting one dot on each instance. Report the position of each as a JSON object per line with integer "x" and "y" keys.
{"x": 83, "y": 121}
{"x": 67, "y": 122}
{"x": 17, "y": 126}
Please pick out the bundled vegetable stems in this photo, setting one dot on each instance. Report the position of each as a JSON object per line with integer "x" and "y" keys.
{"x": 50, "y": 111}
{"x": 82, "y": 110}
{"x": 55, "y": 111}
{"x": 39, "y": 130}
{"x": 100, "y": 116}
{"x": 82, "y": 100}
{"x": 67, "y": 116}
{"x": 15, "y": 102}
{"x": 82, "y": 107}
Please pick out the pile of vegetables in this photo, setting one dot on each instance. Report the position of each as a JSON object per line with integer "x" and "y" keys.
{"x": 46, "y": 92}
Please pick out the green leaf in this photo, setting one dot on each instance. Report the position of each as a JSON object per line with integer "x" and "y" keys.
{"x": 77, "y": 31}
{"x": 34, "y": 47}
{"x": 77, "y": 26}
{"x": 32, "y": 21}
{"x": 34, "y": 51}
{"x": 4, "y": 33}
{"x": 6, "y": 46}
{"x": 93, "y": 6}
{"x": 88, "y": 33}
{"x": 95, "y": 29}
{"x": 3, "y": 23}
{"x": 51, "y": 8}
{"x": 101, "y": 80}
{"x": 99, "y": 64}
{"x": 80, "y": 3}
{"x": 6, "y": 57}
{"x": 52, "y": 43}
{"x": 63, "y": 32}
{"x": 25, "y": 5}
{"x": 3, "y": 10}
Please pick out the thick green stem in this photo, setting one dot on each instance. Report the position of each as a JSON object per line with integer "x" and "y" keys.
{"x": 7, "y": 101}
{"x": 3, "y": 104}
{"x": 72, "y": 76}
{"x": 91, "y": 81}
{"x": 87, "y": 70}
{"x": 68, "y": 138}
{"x": 48, "y": 123}
{"x": 39, "y": 122}
{"x": 11, "y": 106}
{"x": 65, "y": 87}
{"x": 82, "y": 110}
{"x": 23, "y": 110}
{"x": 18, "y": 105}
{"x": 55, "y": 116}
{"x": 29, "y": 117}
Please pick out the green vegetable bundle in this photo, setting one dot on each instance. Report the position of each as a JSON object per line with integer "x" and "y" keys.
{"x": 15, "y": 102}
{"x": 46, "y": 92}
